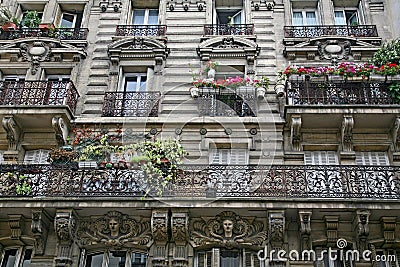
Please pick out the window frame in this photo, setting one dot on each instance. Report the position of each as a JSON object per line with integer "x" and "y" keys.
{"x": 20, "y": 255}
{"x": 75, "y": 15}
{"x": 146, "y": 16}
{"x": 129, "y": 256}
{"x": 214, "y": 252}
{"x": 344, "y": 10}
{"x": 43, "y": 156}
{"x": 129, "y": 75}
{"x": 372, "y": 158}
{"x": 304, "y": 16}
{"x": 227, "y": 152}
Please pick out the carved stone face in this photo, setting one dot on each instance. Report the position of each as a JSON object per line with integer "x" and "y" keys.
{"x": 114, "y": 227}
{"x": 228, "y": 227}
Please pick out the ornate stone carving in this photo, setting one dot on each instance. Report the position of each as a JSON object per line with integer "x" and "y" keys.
{"x": 13, "y": 132}
{"x": 305, "y": 229}
{"x": 64, "y": 225}
{"x": 179, "y": 222}
{"x": 295, "y": 135}
{"x": 347, "y": 133}
{"x": 138, "y": 43}
{"x": 228, "y": 42}
{"x": 16, "y": 223}
{"x": 114, "y": 5}
{"x": 396, "y": 134}
{"x": 388, "y": 227}
{"x": 229, "y": 230}
{"x": 262, "y": 5}
{"x": 332, "y": 224}
{"x": 362, "y": 228}
{"x": 39, "y": 226}
{"x": 334, "y": 50}
{"x": 36, "y": 52}
{"x": 276, "y": 228}
{"x": 61, "y": 129}
{"x": 159, "y": 226}
{"x": 186, "y": 5}
{"x": 114, "y": 229}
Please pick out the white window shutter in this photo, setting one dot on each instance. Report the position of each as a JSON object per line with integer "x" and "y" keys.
{"x": 372, "y": 158}
{"x": 1, "y": 156}
{"x": 320, "y": 158}
{"x": 229, "y": 156}
{"x": 239, "y": 157}
{"x": 38, "y": 156}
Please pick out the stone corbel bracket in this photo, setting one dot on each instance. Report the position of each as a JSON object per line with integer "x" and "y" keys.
{"x": 114, "y": 5}
{"x": 396, "y": 135}
{"x": 159, "y": 230}
{"x": 61, "y": 130}
{"x": 347, "y": 133}
{"x": 305, "y": 228}
{"x": 40, "y": 224}
{"x": 64, "y": 225}
{"x": 13, "y": 132}
{"x": 262, "y": 5}
{"x": 179, "y": 229}
{"x": 295, "y": 135}
{"x": 276, "y": 220}
{"x": 331, "y": 224}
{"x": 186, "y": 5}
{"x": 16, "y": 223}
{"x": 389, "y": 227}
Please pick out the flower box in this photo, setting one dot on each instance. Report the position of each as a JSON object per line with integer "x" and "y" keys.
{"x": 11, "y": 26}
{"x": 260, "y": 92}
{"x": 377, "y": 77}
{"x": 335, "y": 77}
{"x": 317, "y": 79}
{"x": 87, "y": 164}
{"x": 297, "y": 78}
{"x": 393, "y": 78}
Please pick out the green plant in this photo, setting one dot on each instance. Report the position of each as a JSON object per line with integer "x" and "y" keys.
{"x": 210, "y": 65}
{"x": 139, "y": 159}
{"x": 31, "y": 19}
{"x": 164, "y": 156}
{"x": 394, "y": 90}
{"x": 6, "y": 16}
{"x": 22, "y": 187}
{"x": 388, "y": 53}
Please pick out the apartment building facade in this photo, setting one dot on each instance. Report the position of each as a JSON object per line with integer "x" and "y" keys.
{"x": 303, "y": 166}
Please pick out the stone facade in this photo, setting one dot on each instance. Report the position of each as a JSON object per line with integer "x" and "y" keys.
{"x": 262, "y": 172}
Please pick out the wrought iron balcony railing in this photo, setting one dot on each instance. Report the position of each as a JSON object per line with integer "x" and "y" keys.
{"x": 338, "y": 93}
{"x": 227, "y": 102}
{"x": 322, "y": 182}
{"x": 320, "y": 30}
{"x": 39, "y": 93}
{"x": 59, "y": 33}
{"x": 131, "y": 104}
{"x": 141, "y": 30}
{"x": 225, "y": 29}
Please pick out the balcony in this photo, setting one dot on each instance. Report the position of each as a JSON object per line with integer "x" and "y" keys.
{"x": 227, "y": 102}
{"x": 38, "y": 93}
{"x": 225, "y": 29}
{"x": 338, "y": 93}
{"x": 60, "y": 33}
{"x": 141, "y": 30}
{"x": 287, "y": 182}
{"x": 131, "y": 104}
{"x": 330, "y": 30}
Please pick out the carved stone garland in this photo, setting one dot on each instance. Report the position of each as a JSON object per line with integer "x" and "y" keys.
{"x": 229, "y": 230}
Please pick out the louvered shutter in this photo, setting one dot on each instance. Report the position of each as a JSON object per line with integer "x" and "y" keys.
{"x": 229, "y": 156}
{"x": 204, "y": 259}
{"x": 239, "y": 157}
{"x": 372, "y": 158}
{"x": 320, "y": 158}
{"x": 39, "y": 156}
{"x": 251, "y": 259}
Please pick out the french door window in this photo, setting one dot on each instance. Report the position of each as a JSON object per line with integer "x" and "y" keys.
{"x": 346, "y": 17}
{"x": 145, "y": 17}
{"x": 304, "y": 18}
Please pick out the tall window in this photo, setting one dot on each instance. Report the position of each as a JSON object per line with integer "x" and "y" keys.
{"x": 346, "y": 17}
{"x": 134, "y": 82}
{"x": 304, "y": 18}
{"x": 69, "y": 16}
{"x": 12, "y": 257}
{"x": 116, "y": 259}
{"x": 145, "y": 17}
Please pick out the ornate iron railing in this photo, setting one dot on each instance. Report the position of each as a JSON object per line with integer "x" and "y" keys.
{"x": 339, "y": 30}
{"x": 131, "y": 104}
{"x": 225, "y": 29}
{"x": 338, "y": 93}
{"x": 141, "y": 30}
{"x": 227, "y": 102}
{"x": 59, "y": 33}
{"x": 373, "y": 182}
{"x": 39, "y": 93}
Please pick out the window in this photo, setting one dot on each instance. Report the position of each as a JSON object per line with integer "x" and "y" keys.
{"x": 334, "y": 260}
{"x": 228, "y": 258}
{"x": 12, "y": 257}
{"x": 116, "y": 259}
{"x": 134, "y": 83}
{"x": 346, "y": 17}
{"x": 304, "y": 18}
{"x": 229, "y": 157}
{"x": 320, "y": 158}
{"x": 372, "y": 158}
{"x": 145, "y": 17}
{"x": 69, "y": 16}
{"x": 38, "y": 156}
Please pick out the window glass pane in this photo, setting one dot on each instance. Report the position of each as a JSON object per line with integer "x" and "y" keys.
{"x": 138, "y": 260}
{"x": 311, "y": 19}
{"x": 153, "y": 17}
{"x": 26, "y": 262}
{"x": 117, "y": 259}
{"x": 237, "y": 18}
{"x": 229, "y": 258}
{"x": 10, "y": 257}
{"x": 339, "y": 18}
{"x": 130, "y": 84}
{"x": 94, "y": 260}
{"x": 138, "y": 17}
{"x": 351, "y": 18}
{"x": 297, "y": 19}
{"x": 67, "y": 21}
{"x": 143, "y": 80}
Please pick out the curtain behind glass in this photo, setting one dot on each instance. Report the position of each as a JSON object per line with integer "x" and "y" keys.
{"x": 297, "y": 19}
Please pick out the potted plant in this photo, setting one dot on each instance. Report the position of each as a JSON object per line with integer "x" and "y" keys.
{"x": 31, "y": 19}
{"x": 136, "y": 161}
{"x": 7, "y": 20}
{"x": 210, "y": 68}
